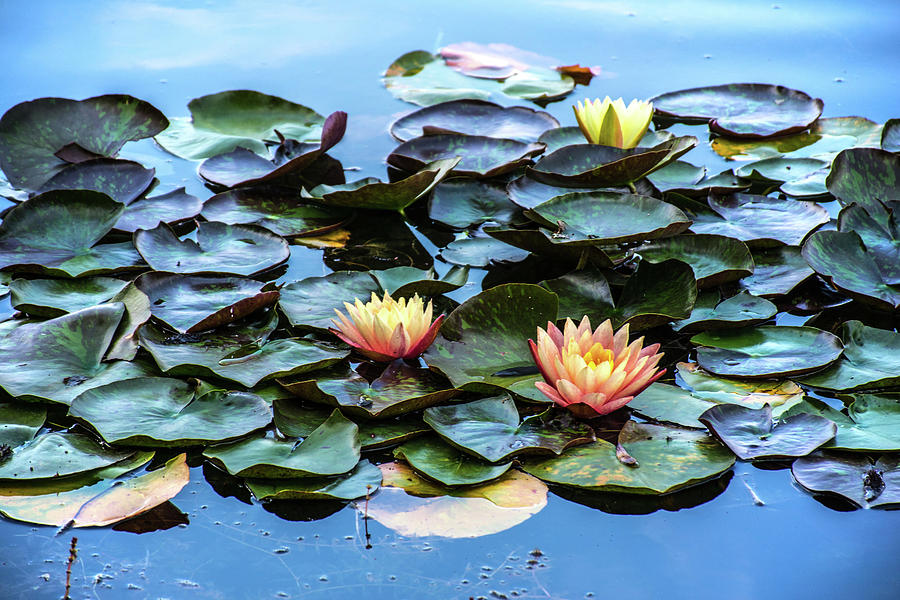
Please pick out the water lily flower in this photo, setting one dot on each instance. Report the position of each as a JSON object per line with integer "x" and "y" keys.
{"x": 385, "y": 329}
{"x": 593, "y": 372}
{"x": 611, "y": 123}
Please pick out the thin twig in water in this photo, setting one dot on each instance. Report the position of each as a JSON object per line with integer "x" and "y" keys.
{"x": 73, "y": 554}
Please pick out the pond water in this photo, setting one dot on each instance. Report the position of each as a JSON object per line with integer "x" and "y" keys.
{"x": 329, "y": 56}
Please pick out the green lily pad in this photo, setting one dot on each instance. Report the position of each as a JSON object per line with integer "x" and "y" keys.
{"x": 592, "y": 165}
{"x": 19, "y": 423}
{"x": 331, "y": 449}
{"x": 220, "y": 248}
{"x": 137, "y": 312}
{"x": 484, "y": 342}
{"x": 677, "y": 175}
{"x": 654, "y": 295}
{"x": 552, "y": 245}
{"x": 871, "y": 360}
{"x": 481, "y": 252}
{"x": 173, "y": 208}
{"x": 781, "y": 394}
{"x": 583, "y": 292}
{"x": 670, "y": 404}
{"x": 58, "y": 454}
{"x": 162, "y": 412}
{"x": 743, "y": 110}
{"x": 780, "y": 170}
{"x": 56, "y": 360}
{"x": 364, "y": 479}
{"x": 872, "y": 422}
{"x": 57, "y": 232}
{"x": 474, "y": 117}
{"x": 237, "y": 352}
{"x": 776, "y": 271}
{"x": 481, "y": 157}
{"x": 842, "y": 257}
{"x": 526, "y": 192}
{"x": 490, "y": 429}
{"x": 610, "y": 217}
{"x": 444, "y": 463}
{"x": 668, "y": 460}
{"x": 767, "y": 351}
{"x": 866, "y": 176}
{"x": 190, "y": 304}
{"x": 741, "y": 310}
{"x": 400, "y": 389}
{"x": 890, "y": 136}
{"x": 761, "y": 221}
{"x": 372, "y": 194}
{"x": 310, "y": 303}
{"x": 715, "y": 259}
{"x": 35, "y": 135}
{"x": 752, "y": 434}
{"x": 122, "y": 180}
{"x": 221, "y": 122}
{"x": 880, "y": 233}
{"x": 463, "y": 203}
{"x": 569, "y": 136}
{"x": 406, "y": 281}
{"x": 859, "y": 479}
{"x": 56, "y": 297}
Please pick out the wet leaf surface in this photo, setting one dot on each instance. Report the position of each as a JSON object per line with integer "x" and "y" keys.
{"x": 865, "y": 483}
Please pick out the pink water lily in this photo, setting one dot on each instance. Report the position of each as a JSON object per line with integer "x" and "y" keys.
{"x": 593, "y": 372}
{"x": 386, "y": 329}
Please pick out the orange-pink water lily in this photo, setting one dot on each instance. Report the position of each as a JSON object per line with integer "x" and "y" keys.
{"x": 385, "y": 329}
{"x": 593, "y": 372}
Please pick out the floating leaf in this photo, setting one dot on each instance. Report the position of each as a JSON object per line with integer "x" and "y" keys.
{"x": 122, "y": 180}
{"x": 776, "y": 271}
{"x": 310, "y": 303}
{"x": 872, "y": 422}
{"x": 474, "y": 117}
{"x": 19, "y": 423}
{"x": 890, "y": 137}
{"x": 670, "y": 404}
{"x": 741, "y": 310}
{"x": 463, "y": 203}
{"x": 582, "y": 293}
{"x": 865, "y": 483}
{"x": 58, "y": 454}
{"x": 882, "y": 241}
{"x": 871, "y": 360}
{"x": 481, "y": 157}
{"x": 56, "y": 297}
{"x": 780, "y": 395}
{"x": 364, "y": 479}
{"x": 137, "y": 312}
{"x": 655, "y": 294}
{"x": 866, "y": 176}
{"x": 744, "y": 110}
{"x": 552, "y": 245}
{"x": 568, "y": 136}
{"x": 714, "y": 259}
{"x": 481, "y": 252}
{"x": 173, "y": 208}
{"x": 767, "y": 351}
{"x": 445, "y": 464}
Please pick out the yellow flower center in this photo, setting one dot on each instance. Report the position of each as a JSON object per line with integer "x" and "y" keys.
{"x": 594, "y": 357}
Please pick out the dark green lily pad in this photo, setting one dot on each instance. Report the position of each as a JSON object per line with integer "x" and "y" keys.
{"x": 741, "y": 310}
{"x": 752, "y": 434}
{"x": 35, "y": 135}
{"x": 444, "y": 463}
{"x": 58, "y": 454}
{"x": 841, "y": 256}
{"x": 880, "y": 233}
{"x": 481, "y": 157}
{"x": 859, "y": 479}
{"x": 668, "y": 460}
{"x": 866, "y": 176}
{"x": 372, "y": 194}
{"x": 19, "y": 423}
{"x": 568, "y": 136}
{"x": 677, "y": 175}
{"x": 490, "y": 429}
{"x": 553, "y": 245}
{"x": 526, "y": 192}
{"x": 406, "y": 281}
{"x": 780, "y": 394}
{"x": 474, "y": 117}
{"x": 484, "y": 342}
{"x": 670, "y": 404}
{"x": 592, "y": 165}
{"x": 481, "y": 252}
{"x": 162, "y": 412}
{"x": 779, "y": 170}
{"x": 610, "y": 217}
{"x": 174, "y": 207}
{"x": 220, "y": 248}
{"x": 331, "y": 449}
{"x": 583, "y": 292}
{"x": 310, "y": 303}
{"x": 871, "y": 360}
{"x": 654, "y": 295}
{"x": 872, "y": 422}
{"x": 890, "y": 136}
{"x": 56, "y": 233}
{"x": 744, "y": 110}
{"x": 776, "y": 271}
{"x": 56, "y": 360}
{"x": 122, "y": 180}
{"x": 767, "y": 351}
{"x": 364, "y": 479}
{"x": 56, "y": 297}
{"x": 715, "y": 259}
{"x": 400, "y": 389}
{"x": 761, "y": 220}
{"x": 189, "y": 303}
{"x": 137, "y": 312}
{"x": 221, "y": 122}
{"x": 464, "y": 203}
{"x": 381, "y": 240}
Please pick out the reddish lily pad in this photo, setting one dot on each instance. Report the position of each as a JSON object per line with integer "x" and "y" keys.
{"x": 481, "y": 157}
{"x": 474, "y": 117}
{"x": 859, "y": 479}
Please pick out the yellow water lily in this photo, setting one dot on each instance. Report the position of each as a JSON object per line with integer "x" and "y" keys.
{"x": 593, "y": 372}
{"x": 385, "y": 329}
{"x": 611, "y": 123}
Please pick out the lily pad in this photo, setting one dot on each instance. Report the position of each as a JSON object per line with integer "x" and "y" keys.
{"x": 122, "y": 180}
{"x": 752, "y": 434}
{"x": 490, "y": 429}
{"x": 880, "y": 233}
{"x": 189, "y": 304}
{"x": 483, "y": 343}
{"x": 668, "y": 460}
{"x": 463, "y": 203}
{"x": 35, "y": 135}
{"x": 741, "y": 310}
{"x": 481, "y": 252}
{"x": 767, "y": 351}
{"x": 797, "y": 177}
{"x": 221, "y": 122}
{"x": 872, "y": 422}
{"x": 56, "y": 233}
{"x": 481, "y": 157}
{"x": 670, "y": 404}
{"x": 890, "y": 136}
{"x": 568, "y": 136}
{"x": 310, "y": 303}
{"x": 447, "y": 465}
{"x": 162, "y": 412}
{"x": 552, "y": 245}
{"x": 331, "y": 449}
{"x": 715, "y": 259}
{"x": 137, "y": 312}
{"x": 19, "y": 423}
{"x": 743, "y": 110}
{"x": 174, "y": 207}
{"x": 776, "y": 271}
{"x": 866, "y": 176}
{"x": 220, "y": 248}
{"x": 364, "y": 479}
{"x": 871, "y": 360}
{"x": 406, "y": 281}
{"x": 56, "y": 297}
{"x": 655, "y": 294}
{"x": 58, "y": 454}
{"x": 859, "y": 479}
{"x": 781, "y": 395}
{"x": 583, "y": 292}
{"x": 474, "y": 117}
